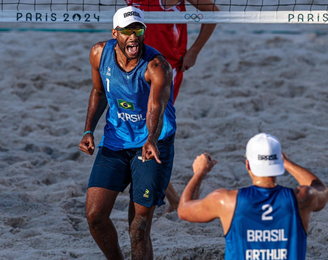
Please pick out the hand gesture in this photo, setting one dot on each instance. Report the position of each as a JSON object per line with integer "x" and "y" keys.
{"x": 150, "y": 151}
{"x": 189, "y": 60}
{"x": 203, "y": 164}
{"x": 87, "y": 144}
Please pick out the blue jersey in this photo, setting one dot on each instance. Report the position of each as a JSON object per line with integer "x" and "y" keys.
{"x": 266, "y": 225}
{"x": 127, "y": 95}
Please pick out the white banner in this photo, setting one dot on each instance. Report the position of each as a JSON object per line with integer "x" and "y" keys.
{"x": 306, "y": 17}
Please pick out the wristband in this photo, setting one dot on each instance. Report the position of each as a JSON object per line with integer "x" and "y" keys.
{"x": 88, "y": 132}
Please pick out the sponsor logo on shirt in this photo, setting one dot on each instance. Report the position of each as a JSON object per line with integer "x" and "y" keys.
{"x": 108, "y": 72}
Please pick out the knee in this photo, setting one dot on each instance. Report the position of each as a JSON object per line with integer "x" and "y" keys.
{"x": 139, "y": 229}
{"x": 95, "y": 218}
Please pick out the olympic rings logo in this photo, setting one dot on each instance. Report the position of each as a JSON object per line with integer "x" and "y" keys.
{"x": 194, "y": 17}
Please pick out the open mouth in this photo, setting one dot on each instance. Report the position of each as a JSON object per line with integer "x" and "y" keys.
{"x": 133, "y": 49}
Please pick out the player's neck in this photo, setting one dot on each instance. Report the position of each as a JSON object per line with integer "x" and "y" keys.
{"x": 265, "y": 182}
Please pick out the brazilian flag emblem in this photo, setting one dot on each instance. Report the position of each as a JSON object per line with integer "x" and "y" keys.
{"x": 125, "y": 104}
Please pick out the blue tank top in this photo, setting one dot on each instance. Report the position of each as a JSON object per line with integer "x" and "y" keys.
{"x": 127, "y": 95}
{"x": 266, "y": 225}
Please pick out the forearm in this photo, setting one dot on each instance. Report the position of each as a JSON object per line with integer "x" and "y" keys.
{"x": 313, "y": 198}
{"x": 191, "y": 192}
{"x": 302, "y": 175}
{"x": 97, "y": 105}
{"x": 190, "y": 208}
{"x": 205, "y": 33}
{"x": 206, "y": 30}
{"x": 154, "y": 123}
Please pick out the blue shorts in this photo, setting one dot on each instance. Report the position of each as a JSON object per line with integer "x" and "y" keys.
{"x": 115, "y": 170}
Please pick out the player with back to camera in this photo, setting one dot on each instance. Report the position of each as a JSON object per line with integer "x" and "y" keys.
{"x": 171, "y": 40}
{"x": 265, "y": 220}
{"x": 137, "y": 147}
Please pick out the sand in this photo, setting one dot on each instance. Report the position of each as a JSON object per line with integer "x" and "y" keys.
{"x": 248, "y": 79}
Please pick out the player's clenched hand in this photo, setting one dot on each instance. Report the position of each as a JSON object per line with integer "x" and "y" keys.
{"x": 203, "y": 164}
{"x": 189, "y": 60}
{"x": 150, "y": 151}
{"x": 87, "y": 144}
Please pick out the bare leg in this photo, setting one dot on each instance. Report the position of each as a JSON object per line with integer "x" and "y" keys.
{"x": 173, "y": 198}
{"x": 99, "y": 205}
{"x": 140, "y": 220}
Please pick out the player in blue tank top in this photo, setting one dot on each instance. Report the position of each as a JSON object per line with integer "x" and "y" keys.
{"x": 265, "y": 220}
{"x": 127, "y": 93}
{"x": 137, "y": 147}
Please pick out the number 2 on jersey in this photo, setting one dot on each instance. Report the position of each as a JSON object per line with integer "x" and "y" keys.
{"x": 268, "y": 210}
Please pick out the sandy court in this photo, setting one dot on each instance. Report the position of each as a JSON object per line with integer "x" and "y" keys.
{"x": 248, "y": 79}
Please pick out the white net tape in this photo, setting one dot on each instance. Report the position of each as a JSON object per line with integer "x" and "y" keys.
{"x": 242, "y": 11}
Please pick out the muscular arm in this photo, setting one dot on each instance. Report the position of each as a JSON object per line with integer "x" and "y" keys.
{"x": 191, "y": 208}
{"x": 159, "y": 74}
{"x": 312, "y": 194}
{"x": 97, "y": 100}
{"x": 206, "y": 31}
{"x": 218, "y": 204}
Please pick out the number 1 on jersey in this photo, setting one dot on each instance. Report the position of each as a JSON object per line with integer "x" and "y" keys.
{"x": 107, "y": 80}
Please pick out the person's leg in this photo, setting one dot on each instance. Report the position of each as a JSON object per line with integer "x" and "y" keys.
{"x": 170, "y": 193}
{"x": 99, "y": 205}
{"x": 149, "y": 181}
{"x": 110, "y": 175}
{"x": 140, "y": 220}
{"x": 173, "y": 198}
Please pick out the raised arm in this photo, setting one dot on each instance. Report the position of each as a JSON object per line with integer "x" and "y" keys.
{"x": 97, "y": 100}
{"x": 218, "y": 204}
{"x": 312, "y": 194}
{"x": 159, "y": 75}
{"x": 190, "y": 207}
{"x": 206, "y": 31}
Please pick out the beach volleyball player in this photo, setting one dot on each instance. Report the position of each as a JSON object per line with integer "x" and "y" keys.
{"x": 265, "y": 220}
{"x": 137, "y": 147}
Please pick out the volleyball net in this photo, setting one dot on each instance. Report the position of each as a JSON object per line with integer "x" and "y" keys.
{"x": 102, "y": 11}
